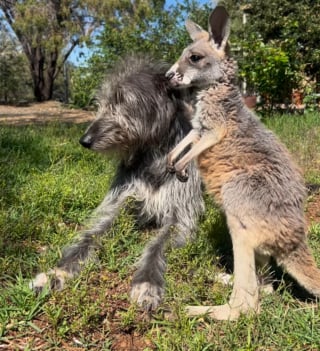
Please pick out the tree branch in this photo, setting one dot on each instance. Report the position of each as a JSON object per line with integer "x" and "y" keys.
{"x": 7, "y": 6}
{"x": 66, "y": 55}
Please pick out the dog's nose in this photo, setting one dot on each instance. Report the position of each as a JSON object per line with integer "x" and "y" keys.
{"x": 169, "y": 75}
{"x": 86, "y": 141}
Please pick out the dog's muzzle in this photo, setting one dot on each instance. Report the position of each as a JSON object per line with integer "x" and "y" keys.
{"x": 86, "y": 141}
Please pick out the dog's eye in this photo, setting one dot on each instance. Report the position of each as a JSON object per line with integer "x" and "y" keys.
{"x": 195, "y": 58}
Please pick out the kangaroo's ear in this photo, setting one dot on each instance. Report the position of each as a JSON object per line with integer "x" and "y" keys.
{"x": 219, "y": 27}
{"x": 194, "y": 30}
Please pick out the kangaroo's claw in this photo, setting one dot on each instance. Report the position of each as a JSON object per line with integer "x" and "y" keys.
{"x": 182, "y": 175}
{"x": 171, "y": 168}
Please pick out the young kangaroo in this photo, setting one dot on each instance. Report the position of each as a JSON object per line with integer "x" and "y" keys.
{"x": 246, "y": 168}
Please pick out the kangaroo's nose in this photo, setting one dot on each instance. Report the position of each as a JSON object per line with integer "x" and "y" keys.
{"x": 169, "y": 75}
{"x": 86, "y": 141}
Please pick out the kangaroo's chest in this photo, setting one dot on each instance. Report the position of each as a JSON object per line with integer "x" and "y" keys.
{"x": 225, "y": 161}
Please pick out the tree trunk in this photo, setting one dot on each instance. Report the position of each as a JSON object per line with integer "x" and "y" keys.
{"x": 43, "y": 71}
{"x": 42, "y": 86}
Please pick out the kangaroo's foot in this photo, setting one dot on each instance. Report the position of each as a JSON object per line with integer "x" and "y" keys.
{"x": 223, "y": 312}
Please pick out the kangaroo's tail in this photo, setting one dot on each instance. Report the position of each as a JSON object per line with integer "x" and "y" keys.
{"x": 301, "y": 266}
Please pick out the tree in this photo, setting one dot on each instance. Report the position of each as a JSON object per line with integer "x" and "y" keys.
{"x": 155, "y": 31}
{"x": 292, "y": 26}
{"x": 15, "y": 83}
{"x": 49, "y": 30}
{"x": 267, "y": 70}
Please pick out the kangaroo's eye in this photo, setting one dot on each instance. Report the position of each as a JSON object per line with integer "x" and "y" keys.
{"x": 195, "y": 58}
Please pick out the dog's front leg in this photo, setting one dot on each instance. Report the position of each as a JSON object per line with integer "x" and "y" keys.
{"x": 208, "y": 139}
{"x": 85, "y": 245}
{"x": 190, "y": 138}
{"x": 148, "y": 281}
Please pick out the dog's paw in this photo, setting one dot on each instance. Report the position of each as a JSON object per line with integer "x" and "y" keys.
{"x": 224, "y": 278}
{"x": 40, "y": 281}
{"x": 146, "y": 295}
{"x": 267, "y": 289}
{"x": 182, "y": 176}
{"x": 52, "y": 280}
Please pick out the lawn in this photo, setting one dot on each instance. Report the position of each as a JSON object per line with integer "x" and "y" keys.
{"x": 49, "y": 185}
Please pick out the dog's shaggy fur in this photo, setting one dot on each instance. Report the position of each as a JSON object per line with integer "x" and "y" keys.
{"x": 142, "y": 119}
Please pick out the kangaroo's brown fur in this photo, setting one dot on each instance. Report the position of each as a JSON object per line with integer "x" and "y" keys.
{"x": 246, "y": 168}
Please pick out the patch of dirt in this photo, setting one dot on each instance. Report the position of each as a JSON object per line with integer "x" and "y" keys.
{"x": 118, "y": 326}
{"x": 42, "y": 113}
{"x": 313, "y": 209}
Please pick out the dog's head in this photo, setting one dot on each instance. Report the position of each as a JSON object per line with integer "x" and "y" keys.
{"x": 135, "y": 108}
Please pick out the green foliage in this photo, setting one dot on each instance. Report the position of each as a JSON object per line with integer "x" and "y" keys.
{"x": 15, "y": 83}
{"x": 293, "y": 26}
{"x": 84, "y": 83}
{"x": 18, "y": 305}
{"x": 48, "y": 31}
{"x": 160, "y": 33}
{"x": 267, "y": 70}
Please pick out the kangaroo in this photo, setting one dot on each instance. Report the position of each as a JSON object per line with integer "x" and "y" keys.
{"x": 245, "y": 167}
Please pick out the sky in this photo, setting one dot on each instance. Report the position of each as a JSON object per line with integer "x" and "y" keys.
{"x": 78, "y": 59}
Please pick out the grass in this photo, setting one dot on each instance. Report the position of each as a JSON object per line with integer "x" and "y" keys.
{"x": 49, "y": 185}
{"x": 301, "y": 134}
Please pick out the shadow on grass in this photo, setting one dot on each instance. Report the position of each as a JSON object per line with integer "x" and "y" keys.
{"x": 26, "y": 155}
{"x": 24, "y": 150}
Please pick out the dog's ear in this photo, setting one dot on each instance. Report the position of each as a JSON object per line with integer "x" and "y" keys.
{"x": 219, "y": 27}
{"x": 195, "y": 31}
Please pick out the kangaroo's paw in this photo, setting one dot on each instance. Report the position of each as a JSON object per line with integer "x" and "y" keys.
{"x": 170, "y": 168}
{"x": 223, "y": 312}
{"x": 147, "y": 295}
{"x": 182, "y": 175}
{"x": 54, "y": 279}
{"x": 170, "y": 164}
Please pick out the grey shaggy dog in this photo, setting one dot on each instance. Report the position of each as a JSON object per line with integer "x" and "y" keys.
{"x": 142, "y": 119}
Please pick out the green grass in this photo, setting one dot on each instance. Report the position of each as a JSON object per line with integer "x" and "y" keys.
{"x": 48, "y": 187}
{"x": 301, "y": 134}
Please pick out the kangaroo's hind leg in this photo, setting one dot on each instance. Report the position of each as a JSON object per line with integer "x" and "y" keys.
{"x": 245, "y": 294}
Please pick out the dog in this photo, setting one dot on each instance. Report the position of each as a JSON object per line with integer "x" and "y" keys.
{"x": 245, "y": 167}
{"x": 141, "y": 118}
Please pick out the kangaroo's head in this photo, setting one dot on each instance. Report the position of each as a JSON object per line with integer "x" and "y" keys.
{"x": 201, "y": 63}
